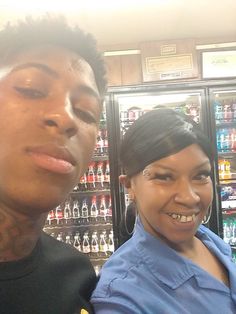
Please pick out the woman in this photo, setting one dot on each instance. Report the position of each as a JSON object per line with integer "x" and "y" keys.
{"x": 172, "y": 264}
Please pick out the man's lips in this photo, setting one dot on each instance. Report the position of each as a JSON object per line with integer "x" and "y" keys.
{"x": 53, "y": 158}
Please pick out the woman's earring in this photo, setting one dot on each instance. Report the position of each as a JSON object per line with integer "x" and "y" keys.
{"x": 207, "y": 216}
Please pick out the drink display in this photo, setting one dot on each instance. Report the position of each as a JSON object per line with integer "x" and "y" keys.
{"x": 189, "y": 104}
{"x": 224, "y": 105}
{"x": 84, "y": 220}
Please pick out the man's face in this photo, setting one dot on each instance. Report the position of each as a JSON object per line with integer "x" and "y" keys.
{"x": 49, "y": 115}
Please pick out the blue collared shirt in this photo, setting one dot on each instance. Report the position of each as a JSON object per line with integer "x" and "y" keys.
{"x": 145, "y": 276}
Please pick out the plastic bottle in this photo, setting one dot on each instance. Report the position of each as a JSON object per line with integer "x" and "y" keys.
{"x": 100, "y": 176}
{"x": 85, "y": 244}
{"x": 84, "y": 212}
{"x": 94, "y": 210}
{"x": 67, "y": 213}
{"x": 94, "y": 245}
{"x": 110, "y": 247}
{"x": 76, "y": 213}
{"x": 76, "y": 243}
{"x": 91, "y": 176}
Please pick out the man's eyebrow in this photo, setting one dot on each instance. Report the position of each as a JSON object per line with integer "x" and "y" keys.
{"x": 43, "y": 67}
{"x": 88, "y": 90}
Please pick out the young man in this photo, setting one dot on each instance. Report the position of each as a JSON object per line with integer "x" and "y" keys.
{"x": 51, "y": 89}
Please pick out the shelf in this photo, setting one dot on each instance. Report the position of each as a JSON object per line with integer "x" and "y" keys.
{"x": 102, "y": 224}
{"x": 91, "y": 192}
{"x": 229, "y": 153}
{"x": 226, "y": 124}
{"x": 228, "y": 211}
{"x": 100, "y": 158}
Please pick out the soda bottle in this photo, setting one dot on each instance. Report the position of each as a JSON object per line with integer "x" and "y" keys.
{"x": 68, "y": 240}
{"x": 99, "y": 144}
{"x": 83, "y": 183}
{"x": 218, "y": 111}
{"x": 67, "y": 213}
{"x": 51, "y": 218}
{"x": 109, "y": 213}
{"x": 59, "y": 237}
{"x": 94, "y": 245}
{"x": 86, "y": 245}
{"x": 99, "y": 176}
{"x": 103, "y": 208}
{"x": 227, "y": 174}
{"x": 76, "y": 212}
{"x": 76, "y": 243}
{"x": 94, "y": 210}
{"x": 102, "y": 246}
{"x": 107, "y": 175}
{"x": 105, "y": 139}
{"x": 91, "y": 176}
{"x": 59, "y": 215}
{"x": 110, "y": 247}
{"x": 85, "y": 212}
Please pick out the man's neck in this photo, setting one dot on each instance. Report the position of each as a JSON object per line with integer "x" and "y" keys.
{"x": 19, "y": 234}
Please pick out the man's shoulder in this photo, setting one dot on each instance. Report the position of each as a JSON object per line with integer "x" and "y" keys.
{"x": 60, "y": 252}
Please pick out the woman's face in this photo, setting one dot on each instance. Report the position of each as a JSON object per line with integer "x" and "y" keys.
{"x": 173, "y": 194}
{"x": 49, "y": 113}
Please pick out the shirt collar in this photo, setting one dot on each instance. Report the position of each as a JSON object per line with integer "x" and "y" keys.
{"x": 165, "y": 267}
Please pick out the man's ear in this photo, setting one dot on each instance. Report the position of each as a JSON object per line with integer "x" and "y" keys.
{"x": 125, "y": 180}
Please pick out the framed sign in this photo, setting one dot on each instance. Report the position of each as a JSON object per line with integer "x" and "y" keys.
{"x": 169, "y": 60}
{"x": 218, "y": 64}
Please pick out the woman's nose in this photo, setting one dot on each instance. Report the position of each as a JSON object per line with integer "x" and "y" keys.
{"x": 60, "y": 118}
{"x": 186, "y": 194}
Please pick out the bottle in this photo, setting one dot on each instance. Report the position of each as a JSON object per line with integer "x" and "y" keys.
{"x": 102, "y": 246}
{"x": 59, "y": 237}
{"x": 94, "y": 210}
{"x": 109, "y": 213}
{"x": 76, "y": 213}
{"x": 105, "y": 139}
{"x": 67, "y": 213}
{"x": 68, "y": 240}
{"x": 103, "y": 208}
{"x": 51, "y": 218}
{"x": 99, "y": 176}
{"x": 86, "y": 245}
{"x": 91, "y": 176}
{"x": 76, "y": 243}
{"x": 83, "y": 183}
{"x": 107, "y": 175}
{"x": 99, "y": 144}
{"x": 58, "y": 215}
{"x": 218, "y": 112}
{"x": 227, "y": 174}
{"x": 84, "y": 212}
{"x": 94, "y": 245}
{"x": 110, "y": 247}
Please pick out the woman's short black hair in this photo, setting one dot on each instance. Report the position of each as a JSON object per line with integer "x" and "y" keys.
{"x": 158, "y": 134}
{"x": 52, "y": 30}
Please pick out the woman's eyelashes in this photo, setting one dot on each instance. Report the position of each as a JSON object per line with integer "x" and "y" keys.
{"x": 203, "y": 175}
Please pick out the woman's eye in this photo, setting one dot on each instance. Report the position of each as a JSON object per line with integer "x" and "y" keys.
{"x": 30, "y": 92}
{"x": 85, "y": 116}
{"x": 202, "y": 176}
{"x": 161, "y": 177}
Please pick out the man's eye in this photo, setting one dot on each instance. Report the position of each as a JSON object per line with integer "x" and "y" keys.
{"x": 30, "y": 92}
{"x": 85, "y": 116}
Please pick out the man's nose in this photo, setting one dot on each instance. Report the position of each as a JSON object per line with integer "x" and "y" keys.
{"x": 186, "y": 193}
{"x": 60, "y": 119}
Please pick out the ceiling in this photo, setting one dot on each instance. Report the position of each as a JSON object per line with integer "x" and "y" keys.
{"x": 129, "y": 21}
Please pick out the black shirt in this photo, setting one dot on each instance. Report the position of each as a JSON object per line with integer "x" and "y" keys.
{"x": 54, "y": 279}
